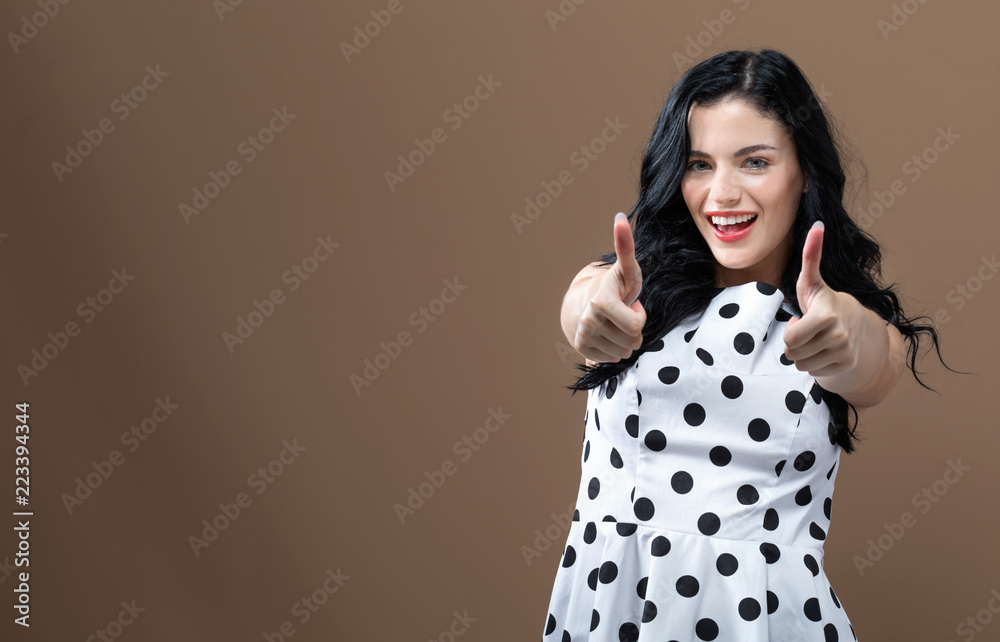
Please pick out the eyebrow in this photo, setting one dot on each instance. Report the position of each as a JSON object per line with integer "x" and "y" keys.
{"x": 749, "y": 149}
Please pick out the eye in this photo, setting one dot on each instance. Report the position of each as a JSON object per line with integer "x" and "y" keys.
{"x": 691, "y": 165}
{"x": 761, "y": 166}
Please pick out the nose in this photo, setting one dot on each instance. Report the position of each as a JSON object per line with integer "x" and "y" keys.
{"x": 724, "y": 190}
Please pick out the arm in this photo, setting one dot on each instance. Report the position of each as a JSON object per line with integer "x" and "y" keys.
{"x": 579, "y": 292}
{"x": 881, "y": 362}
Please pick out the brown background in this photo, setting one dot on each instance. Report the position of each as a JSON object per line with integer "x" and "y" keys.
{"x": 497, "y": 346}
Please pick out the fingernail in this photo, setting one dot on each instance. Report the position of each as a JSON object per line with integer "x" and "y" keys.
{"x": 819, "y": 224}
{"x": 620, "y": 215}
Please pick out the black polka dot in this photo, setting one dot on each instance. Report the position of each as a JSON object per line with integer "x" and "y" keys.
{"x": 638, "y": 396}
{"x": 586, "y": 451}
{"x": 770, "y": 552}
{"x": 778, "y": 467}
{"x": 727, "y": 564}
{"x": 632, "y": 425}
{"x": 830, "y": 472}
{"x": 709, "y": 524}
{"x": 640, "y": 588}
{"x": 594, "y": 488}
{"x": 720, "y": 455}
{"x": 706, "y": 629}
{"x": 794, "y": 401}
{"x": 749, "y": 609}
{"x": 592, "y": 579}
{"x": 681, "y": 482}
{"x": 608, "y": 518}
{"x": 770, "y": 519}
{"x": 804, "y": 461}
{"x": 655, "y": 346}
{"x": 689, "y": 335}
{"x": 609, "y": 571}
{"x": 595, "y": 619}
{"x": 758, "y": 429}
{"x": 772, "y": 602}
{"x": 660, "y": 546}
{"x": 550, "y": 625}
{"x": 743, "y": 343}
{"x": 785, "y": 361}
{"x": 569, "y": 557}
{"x": 804, "y": 496}
{"x": 816, "y": 393}
{"x": 811, "y": 564}
{"x": 597, "y": 419}
{"x": 687, "y": 586}
{"x": 747, "y": 494}
{"x": 616, "y": 458}
{"x": 827, "y": 506}
{"x": 656, "y": 440}
{"x": 668, "y": 374}
{"x": 576, "y": 515}
{"x": 766, "y": 288}
{"x": 782, "y": 315}
{"x": 833, "y": 595}
{"x": 729, "y": 310}
{"x": 590, "y": 533}
{"x": 830, "y": 631}
{"x": 648, "y": 612}
{"x": 643, "y": 508}
{"x": 705, "y": 356}
{"x": 811, "y": 609}
{"x": 732, "y": 387}
{"x": 612, "y": 386}
{"x": 628, "y": 632}
{"x": 816, "y": 532}
{"x": 694, "y": 414}
{"x": 566, "y": 636}
{"x": 626, "y": 528}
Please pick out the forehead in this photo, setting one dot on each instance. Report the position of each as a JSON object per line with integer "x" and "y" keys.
{"x": 733, "y": 123}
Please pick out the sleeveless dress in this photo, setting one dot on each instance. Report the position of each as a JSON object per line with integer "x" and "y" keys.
{"x": 706, "y": 491}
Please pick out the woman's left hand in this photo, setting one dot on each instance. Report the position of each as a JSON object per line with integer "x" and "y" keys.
{"x": 826, "y": 339}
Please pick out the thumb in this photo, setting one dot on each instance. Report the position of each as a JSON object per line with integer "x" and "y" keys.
{"x": 629, "y": 273}
{"x": 810, "y": 282}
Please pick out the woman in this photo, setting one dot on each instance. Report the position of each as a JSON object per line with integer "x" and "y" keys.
{"x": 724, "y": 346}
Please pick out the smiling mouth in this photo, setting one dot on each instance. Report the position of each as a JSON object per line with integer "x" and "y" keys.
{"x": 731, "y": 222}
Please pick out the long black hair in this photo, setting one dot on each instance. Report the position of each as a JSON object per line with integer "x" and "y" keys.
{"x": 678, "y": 268}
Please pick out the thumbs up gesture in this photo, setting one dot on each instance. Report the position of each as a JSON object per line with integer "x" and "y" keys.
{"x": 826, "y": 340}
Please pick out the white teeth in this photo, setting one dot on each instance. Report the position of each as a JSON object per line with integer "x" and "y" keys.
{"x": 732, "y": 220}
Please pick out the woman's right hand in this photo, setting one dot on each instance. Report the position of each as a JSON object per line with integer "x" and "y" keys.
{"x": 610, "y": 326}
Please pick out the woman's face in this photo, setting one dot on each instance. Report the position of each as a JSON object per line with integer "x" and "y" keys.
{"x": 741, "y": 161}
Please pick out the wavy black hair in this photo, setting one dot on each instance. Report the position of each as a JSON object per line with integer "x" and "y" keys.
{"x": 678, "y": 267}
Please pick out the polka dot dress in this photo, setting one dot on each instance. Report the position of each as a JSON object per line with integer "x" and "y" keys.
{"x": 707, "y": 481}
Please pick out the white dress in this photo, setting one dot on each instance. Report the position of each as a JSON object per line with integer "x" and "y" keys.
{"x": 708, "y": 471}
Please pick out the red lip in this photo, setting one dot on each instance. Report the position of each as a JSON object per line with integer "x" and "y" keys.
{"x": 728, "y": 238}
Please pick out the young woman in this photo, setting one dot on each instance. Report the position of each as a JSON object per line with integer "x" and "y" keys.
{"x": 725, "y": 338}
